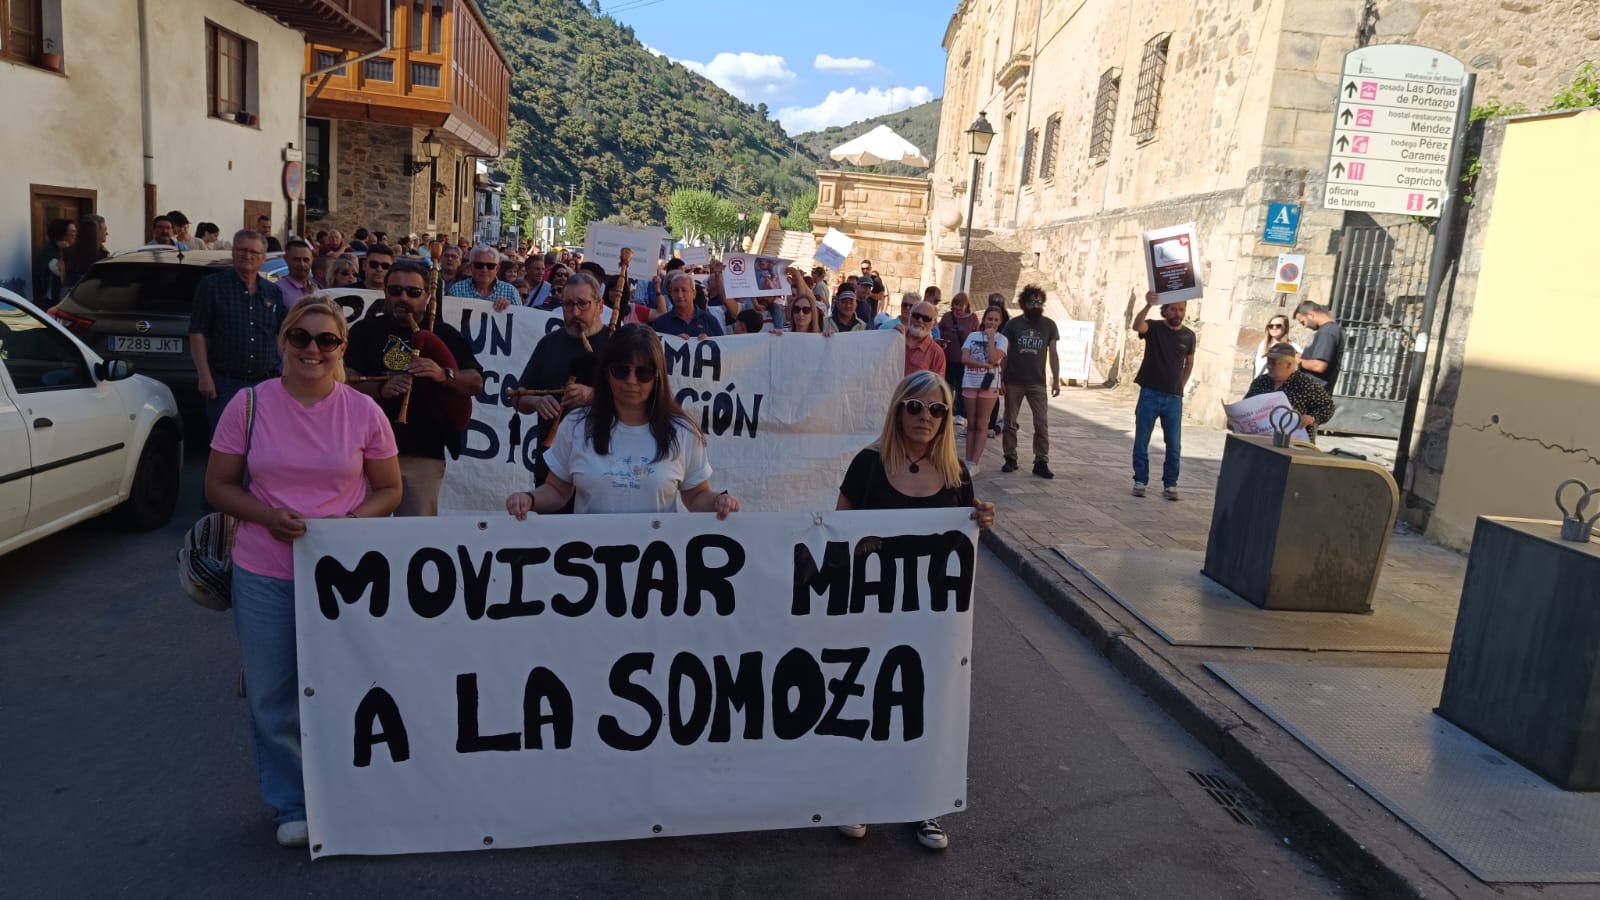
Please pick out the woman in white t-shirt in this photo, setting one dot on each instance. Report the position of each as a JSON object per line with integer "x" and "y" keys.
{"x": 983, "y": 353}
{"x": 633, "y": 450}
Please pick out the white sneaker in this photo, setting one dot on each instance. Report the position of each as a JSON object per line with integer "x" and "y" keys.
{"x": 1170, "y": 493}
{"x": 931, "y": 835}
{"x": 1138, "y": 489}
{"x": 853, "y": 831}
{"x": 294, "y": 834}
{"x": 973, "y": 469}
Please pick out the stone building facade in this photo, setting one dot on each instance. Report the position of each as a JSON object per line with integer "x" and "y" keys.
{"x": 1118, "y": 116}
{"x": 370, "y": 187}
{"x": 886, "y": 215}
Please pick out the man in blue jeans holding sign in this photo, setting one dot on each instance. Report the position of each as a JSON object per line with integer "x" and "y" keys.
{"x": 1168, "y": 360}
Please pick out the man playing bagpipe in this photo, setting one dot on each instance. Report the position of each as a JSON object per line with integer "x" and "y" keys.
{"x": 424, "y": 375}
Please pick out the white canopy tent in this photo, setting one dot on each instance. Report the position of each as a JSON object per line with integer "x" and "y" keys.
{"x": 880, "y": 145}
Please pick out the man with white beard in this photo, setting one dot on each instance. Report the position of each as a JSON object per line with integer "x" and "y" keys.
{"x": 922, "y": 351}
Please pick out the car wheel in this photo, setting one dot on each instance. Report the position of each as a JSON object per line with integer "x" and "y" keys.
{"x": 154, "y": 494}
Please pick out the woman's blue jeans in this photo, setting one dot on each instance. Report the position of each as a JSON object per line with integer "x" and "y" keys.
{"x": 263, "y": 611}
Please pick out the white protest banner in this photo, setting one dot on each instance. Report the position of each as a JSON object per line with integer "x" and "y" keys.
{"x": 1291, "y": 268}
{"x": 835, "y": 247}
{"x": 603, "y": 243}
{"x": 750, "y": 275}
{"x": 782, "y": 415}
{"x": 474, "y": 682}
{"x": 358, "y": 303}
{"x": 695, "y": 256}
{"x": 1077, "y": 347}
{"x": 1253, "y": 415}
{"x": 1172, "y": 263}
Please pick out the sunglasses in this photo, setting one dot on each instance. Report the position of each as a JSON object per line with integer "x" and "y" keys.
{"x": 486, "y": 265}
{"x": 797, "y": 310}
{"x": 1277, "y": 325}
{"x": 299, "y": 338}
{"x": 374, "y": 264}
{"x": 641, "y": 374}
{"x": 398, "y": 290}
{"x": 938, "y": 408}
{"x": 922, "y": 317}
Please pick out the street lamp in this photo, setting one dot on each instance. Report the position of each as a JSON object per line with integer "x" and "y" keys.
{"x": 979, "y": 136}
{"x": 431, "y": 146}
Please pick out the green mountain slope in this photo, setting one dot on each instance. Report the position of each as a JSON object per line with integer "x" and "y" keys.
{"x": 919, "y": 125}
{"x": 592, "y": 109}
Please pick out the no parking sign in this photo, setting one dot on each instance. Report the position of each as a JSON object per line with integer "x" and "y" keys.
{"x": 1291, "y": 268}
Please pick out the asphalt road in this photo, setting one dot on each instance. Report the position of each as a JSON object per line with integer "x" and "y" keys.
{"x": 125, "y": 771}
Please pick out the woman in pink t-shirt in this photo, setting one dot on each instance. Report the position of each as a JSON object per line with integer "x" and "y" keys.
{"x": 318, "y": 449}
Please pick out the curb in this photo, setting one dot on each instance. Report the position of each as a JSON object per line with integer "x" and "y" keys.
{"x": 1236, "y": 742}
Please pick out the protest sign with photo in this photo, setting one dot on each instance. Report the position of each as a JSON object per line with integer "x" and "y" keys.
{"x": 751, "y": 275}
{"x": 834, "y": 249}
{"x": 782, "y": 416}
{"x": 1172, "y": 263}
{"x": 603, "y": 243}
{"x": 1253, "y": 415}
{"x": 479, "y": 682}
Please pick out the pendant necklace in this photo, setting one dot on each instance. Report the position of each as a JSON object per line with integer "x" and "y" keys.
{"x": 914, "y": 467}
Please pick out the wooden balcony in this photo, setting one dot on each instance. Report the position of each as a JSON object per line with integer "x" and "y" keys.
{"x": 446, "y": 72}
{"x": 350, "y": 24}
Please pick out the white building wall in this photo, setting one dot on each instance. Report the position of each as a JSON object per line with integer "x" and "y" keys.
{"x": 82, "y": 128}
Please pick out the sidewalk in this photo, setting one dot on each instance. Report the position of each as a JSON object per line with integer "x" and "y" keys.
{"x": 1088, "y": 505}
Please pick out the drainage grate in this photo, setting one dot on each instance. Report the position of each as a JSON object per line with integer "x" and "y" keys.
{"x": 1224, "y": 795}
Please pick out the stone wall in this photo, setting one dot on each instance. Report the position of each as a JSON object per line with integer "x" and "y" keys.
{"x": 370, "y": 188}
{"x": 886, "y": 215}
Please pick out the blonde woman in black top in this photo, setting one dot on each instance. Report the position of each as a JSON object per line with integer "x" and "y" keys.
{"x": 913, "y": 466}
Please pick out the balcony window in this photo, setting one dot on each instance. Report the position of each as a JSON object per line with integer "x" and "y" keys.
{"x": 379, "y": 69}
{"x": 327, "y": 58}
{"x": 424, "y": 75}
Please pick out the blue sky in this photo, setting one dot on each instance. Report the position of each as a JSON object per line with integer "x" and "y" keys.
{"x": 815, "y": 63}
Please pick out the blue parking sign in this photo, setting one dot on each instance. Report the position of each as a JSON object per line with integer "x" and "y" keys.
{"x": 1283, "y": 223}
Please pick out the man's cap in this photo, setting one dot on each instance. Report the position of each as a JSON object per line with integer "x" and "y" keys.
{"x": 1281, "y": 350}
{"x": 844, "y": 292}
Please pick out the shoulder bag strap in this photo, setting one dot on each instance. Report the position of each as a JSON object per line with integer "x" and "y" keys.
{"x": 249, "y": 431}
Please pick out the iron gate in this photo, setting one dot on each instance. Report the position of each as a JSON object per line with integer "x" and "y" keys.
{"x": 1378, "y": 290}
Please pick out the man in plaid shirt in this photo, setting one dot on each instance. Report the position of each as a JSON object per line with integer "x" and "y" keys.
{"x": 486, "y": 283}
{"x": 233, "y": 329}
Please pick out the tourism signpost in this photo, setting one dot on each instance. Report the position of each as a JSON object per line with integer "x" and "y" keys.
{"x": 1398, "y": 131}
{"x": 1394, "y": 130}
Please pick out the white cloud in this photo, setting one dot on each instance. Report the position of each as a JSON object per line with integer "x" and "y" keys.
{"x": 853, "y": 64}
{"x": 654, "y": 52}
{"x": 748, "y": 76}
{"x": 851, "y": 105}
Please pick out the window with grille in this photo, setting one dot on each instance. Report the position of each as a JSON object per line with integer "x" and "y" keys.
{"x": 1047, "y": 151}
{"x": 379, "y": 69}
{"x": 21, "y": 31}
{"x": 228, "y": 71}
{"x": 1030, "y": 144}
{"x": 1147, "y": 102}
{"x": 1105, "y": 114}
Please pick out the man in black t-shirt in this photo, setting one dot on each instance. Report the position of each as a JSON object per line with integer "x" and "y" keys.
{"x": 1030, "y": 339}
{"x": 560, "y": 356}
{"x": 1168, "y": 360}
{"x": 442, "y": 382}
{"x": 1322, "y": 358}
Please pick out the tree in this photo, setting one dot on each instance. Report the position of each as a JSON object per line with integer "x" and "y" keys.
{"x": 517, "y": 193}
{"x": 690, "y": 213}
{"x": 799, "y": 217}
{"x": 579, "y": 214}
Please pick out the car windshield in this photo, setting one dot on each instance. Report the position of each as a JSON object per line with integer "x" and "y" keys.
{"x": 139, "y": 288}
